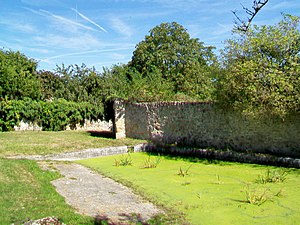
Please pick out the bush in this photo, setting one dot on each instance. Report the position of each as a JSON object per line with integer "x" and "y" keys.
{"x": 51, "y": 116}
{"x": 18, "y": 78}
{"x": 262, "y": 70}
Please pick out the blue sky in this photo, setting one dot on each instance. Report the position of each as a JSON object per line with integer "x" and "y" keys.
{"x": 101, "y": 33}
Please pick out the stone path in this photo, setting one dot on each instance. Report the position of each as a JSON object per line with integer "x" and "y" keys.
{"x": 92, "y": 194}
{"x": 97, "y": 196}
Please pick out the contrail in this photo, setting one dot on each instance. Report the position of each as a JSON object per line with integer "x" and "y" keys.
{"x": 88, "y": 19}
{"x": 65, "y": 20}
{"x": 85, "y": 52}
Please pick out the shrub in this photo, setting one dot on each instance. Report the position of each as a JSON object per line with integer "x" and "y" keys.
{"x": 51, "y": 116}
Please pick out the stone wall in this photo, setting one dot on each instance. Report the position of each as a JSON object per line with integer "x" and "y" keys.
{"x": 88, "y": 125}
{"x": 119, "y": 119}
{"x": 205, "y": 125}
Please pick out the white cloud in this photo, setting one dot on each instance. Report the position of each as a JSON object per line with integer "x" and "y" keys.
{"x": 18, "y": 26}
{"x": 81, "y": 53}
{"x": 79, "y": 42}
{"x": 78, "y": 57}
{"x": 222, "y": 29}
{"x": 121, "y": 27}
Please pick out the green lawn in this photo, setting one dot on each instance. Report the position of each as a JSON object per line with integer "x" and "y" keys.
{"x": 26, "y": 193}
{"x": 43, "y": 142}
{"x": 25, "y": 190}
{"x": 210, "y": 193}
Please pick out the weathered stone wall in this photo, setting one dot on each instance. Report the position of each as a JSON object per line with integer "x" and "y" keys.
{"x": 119, "y": 120}
{"x": 88, "y": 125}
{"x": 205, "y": 125}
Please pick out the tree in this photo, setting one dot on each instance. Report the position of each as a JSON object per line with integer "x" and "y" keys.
{"x": 181, "y": 60}
{"x": 80, "y": 84}
{"x": 243, "y": 25}
{"x": 18, "y": 78}
{"x": 51, "y": 84}
{"x": 262, "y": 69}
{"x": 122, "y": 81}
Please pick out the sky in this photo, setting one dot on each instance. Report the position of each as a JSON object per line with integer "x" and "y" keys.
{"x": 102, "y": 33}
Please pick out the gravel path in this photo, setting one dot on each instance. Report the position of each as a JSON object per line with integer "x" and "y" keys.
{"x": 92, "y": 194}
{"x": 98, "y": 196}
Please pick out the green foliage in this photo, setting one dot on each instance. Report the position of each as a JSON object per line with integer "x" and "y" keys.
{"x": 274, "y": 176}
{"x": 77, "y": 84}
{"x": 256, "y": 196}
{"x": 127, "y": 83}
{"x": 124, "y": 160}
{"x": 26, "y": 194}
{"x": 18, "y": 76}
{"x": 218, "y": 179}
{"x": 198, "y": 197}
{"x": 259, "y": 195}
{"x": 10, "y": 114}
{"x": 183, "y": 62}
{"x": 52, "y": 85}
{"x": 262, "y": 69}
{"x": 149, "y": 163}
{"x": 58, "y": 114}
{"x": 52, "y": 116}
{"x": 184, "y": 172}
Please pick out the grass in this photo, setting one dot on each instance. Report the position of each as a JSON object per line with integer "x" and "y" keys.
{"x": 25, "y": 190}
{"x": 26, "y": 194}
{"x": 42, "y": 142}
{"x": 207, "y": 193}
{"x": 210, "y": 193}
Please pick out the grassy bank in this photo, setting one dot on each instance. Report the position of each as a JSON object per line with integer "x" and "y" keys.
{"x": 210, "y": 193}
{"x": 43, "y": 142}
{"x": 25, "y": 190}
{"x": 26, "y": 193}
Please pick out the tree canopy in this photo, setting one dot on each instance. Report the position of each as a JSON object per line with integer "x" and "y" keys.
{"x": 18, "y": 76}
{"x": 262, "y": 69}
{"x": 181, "y": 60}
{"x": 258, "y": 72}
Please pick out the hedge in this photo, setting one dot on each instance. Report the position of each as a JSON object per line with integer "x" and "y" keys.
{"x": 51, "y": 116}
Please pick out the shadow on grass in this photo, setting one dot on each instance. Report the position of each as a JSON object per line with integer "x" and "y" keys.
{"x": 102, "y": 134}
{"x": 125, "y": 219}
{"x": 223, "y": 157}
{"x": 187, "y": 158}
{"x": 137, "y": 219}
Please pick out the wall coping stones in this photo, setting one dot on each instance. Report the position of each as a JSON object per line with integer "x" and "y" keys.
{"x": 157, "y": 104}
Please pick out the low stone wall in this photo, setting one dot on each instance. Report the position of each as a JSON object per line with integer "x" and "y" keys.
{"x": 88, "y": 125}
{"x": 23, "y": 126}
{"x": 205, "y": 125}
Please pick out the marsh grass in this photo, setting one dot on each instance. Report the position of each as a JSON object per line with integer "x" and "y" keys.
{"x": 151, "y": 162}
{"x": 184, "y": 172}
{"x": 124, "y": 160}
{"x": 256, "y": 196}
{"x": 218, "y": 179}
{"x": 272, "y": 176}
